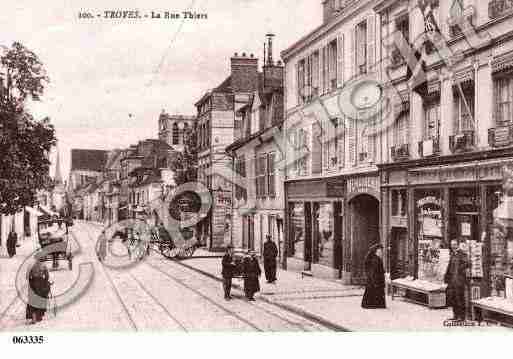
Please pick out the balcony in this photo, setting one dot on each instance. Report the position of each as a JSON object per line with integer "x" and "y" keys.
{"x": 498, "y": 8}
{"x": 500, "y": 136}
{"x": 462, "y": 142}
{"x": 429, "y": 147}
{"x": 400, "y": 152}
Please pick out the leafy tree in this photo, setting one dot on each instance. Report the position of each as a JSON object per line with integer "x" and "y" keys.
{"x": 184, "y": 164}
{"x": 24, "y": 142}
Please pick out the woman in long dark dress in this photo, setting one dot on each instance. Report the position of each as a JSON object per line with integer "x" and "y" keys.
{"x": 39, "y": 288}
{"x": 252, "y": 273}
{"x": 374, "y": 296}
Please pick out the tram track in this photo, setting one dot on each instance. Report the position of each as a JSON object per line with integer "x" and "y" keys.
{"x": 182, "y": 276}
{"x": 260, "y": 306}
{"x": 208, "y": 299}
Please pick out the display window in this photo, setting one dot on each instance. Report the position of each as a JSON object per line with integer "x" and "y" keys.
{"x": 324, "y": 233}
{"x": 433, "y": 249}
{"x": 297, "y": 230}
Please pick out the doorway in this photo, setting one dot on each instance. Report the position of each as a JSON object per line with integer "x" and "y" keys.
{"x": 364, "y": 232}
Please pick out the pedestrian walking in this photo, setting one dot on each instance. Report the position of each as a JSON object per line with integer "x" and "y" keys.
{"x": 270, "y": 254}
{"x": 102, "y": 246}
{"x": 228, "y": 267}
{"x": 374, "y": 295}
{"x": 12, "y": 241}
{"x": 38, "y": 291}
{"x": 252, "y": 273}
{"x": 456, "y": 279}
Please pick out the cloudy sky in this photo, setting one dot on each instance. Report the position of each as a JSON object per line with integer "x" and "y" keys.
{"x": 102, "y": 70}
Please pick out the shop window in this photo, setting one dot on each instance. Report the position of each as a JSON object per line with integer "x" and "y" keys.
{"x": 297, "y": 231}
{"x": 503, "y": 95}
{"x": 463, "y": 115}
{"x": 433, "y": 249}
{"x": 324, "y": 232}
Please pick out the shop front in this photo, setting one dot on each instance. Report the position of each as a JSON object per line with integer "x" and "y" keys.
{"x": 425, "y": 208}
{"x": 314, "y": 227}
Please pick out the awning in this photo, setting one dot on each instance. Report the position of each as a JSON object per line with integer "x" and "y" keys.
{"x": 33, "y": 211}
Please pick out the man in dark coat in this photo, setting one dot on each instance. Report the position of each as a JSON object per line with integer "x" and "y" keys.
{"x": 456, "y": 279}
{"x": 374, "y": 296}
{"x": 38, "y": 291}
{"x": 12, "y": 240}
{"x": 252, "y": 273}
{"x": 270, "y": 254}
{"x": 227, "y": 271}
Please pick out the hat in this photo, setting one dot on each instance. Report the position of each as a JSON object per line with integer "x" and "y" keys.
{"x": 229, "y": 246}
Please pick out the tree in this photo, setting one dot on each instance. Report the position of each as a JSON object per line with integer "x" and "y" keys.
{"x": 184, "y": 164}
{"x": 24, "y": 142}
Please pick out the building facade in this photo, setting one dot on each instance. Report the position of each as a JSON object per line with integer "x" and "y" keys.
{"x": 450, "y": 143}
{"x": 332, "y": 187}
{"x": 173, "y": 129}
{"x": 258, "y": 198}
{"x": 218, "y": 120}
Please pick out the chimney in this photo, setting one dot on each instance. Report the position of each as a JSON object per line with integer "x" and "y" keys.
{"x": 244, "y": 73}
{"x": 273, "y": 73}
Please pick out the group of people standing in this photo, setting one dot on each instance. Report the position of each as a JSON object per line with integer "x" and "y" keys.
{"x": 250, "y": 269}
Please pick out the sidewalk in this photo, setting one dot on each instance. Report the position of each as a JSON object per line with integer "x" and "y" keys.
{"x": 337, "y": 305}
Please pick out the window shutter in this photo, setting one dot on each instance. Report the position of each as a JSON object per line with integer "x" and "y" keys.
{"x": 353, "y": 52}
{"x": 456, "y": 114}
{"x": 257, "y": 186}
{"x": 323, "y": 70}
{"x": 341, "y": 143}
{"x": 371, "y": 34}
{"x": 298, "y": 90}
{"x": 351, "y": 133}
{"x": 340, "y": 60}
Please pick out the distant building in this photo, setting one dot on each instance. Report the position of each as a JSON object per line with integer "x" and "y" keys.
{"x": 172, "y": 129}
{"x": 86, "y": 165}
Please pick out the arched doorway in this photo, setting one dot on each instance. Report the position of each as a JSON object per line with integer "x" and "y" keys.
{"x": 363, "y": 232}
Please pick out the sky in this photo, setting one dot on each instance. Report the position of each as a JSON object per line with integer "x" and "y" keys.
{"x": 102, "y": 70}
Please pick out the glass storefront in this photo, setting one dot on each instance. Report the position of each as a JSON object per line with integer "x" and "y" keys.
{"x": 297, "y": 230}
{"x": 312, "y": 232}
{"x": 324, "y": 234}
{"x": 433, "y": 248}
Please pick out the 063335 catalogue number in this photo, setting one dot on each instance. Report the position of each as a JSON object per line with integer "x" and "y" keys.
{"x": 28, "y": 339}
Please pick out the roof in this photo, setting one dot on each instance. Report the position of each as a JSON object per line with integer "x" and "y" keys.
{"x": 88, "y": 160}
{"x": 226, "y": 87}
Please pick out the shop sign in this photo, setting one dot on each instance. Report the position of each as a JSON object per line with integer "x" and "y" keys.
{"x": 335, "y": 189}
{"x": 429, "y": 200}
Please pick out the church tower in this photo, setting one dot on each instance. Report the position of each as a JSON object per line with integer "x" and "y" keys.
{"x": 59, "y": 191}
